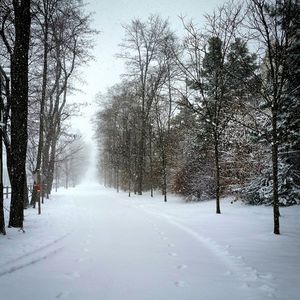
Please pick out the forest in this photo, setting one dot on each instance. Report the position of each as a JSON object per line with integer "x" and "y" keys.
{"x": 43, "y": 45}
{"x": 212, "y": 112}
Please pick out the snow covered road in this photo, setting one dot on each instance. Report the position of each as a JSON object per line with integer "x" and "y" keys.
{"x": 92, "y": 243}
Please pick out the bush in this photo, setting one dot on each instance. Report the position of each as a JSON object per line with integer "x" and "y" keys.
{"x": 260, "y": 190}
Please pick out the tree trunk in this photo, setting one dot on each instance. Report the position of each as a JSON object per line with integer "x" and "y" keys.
{"x": 141, "y": 155}
{"x": 51, "y": 166}
{"x": 276, "y": 212}
{"x": 56, "y": 177}
{"x": 46, "y": 157}
{"x": 129, "y": 162}
{"x": 19, "y": 110}
{"x": 151, "y": 162}
{"x": 164, "y": 167}
{"x": 218, "y": 210}
{"x": 2, "y": 220}
{"x": 165, "y": 185}
{"x": 67, "y": 174}
{"x": 117, "y": 179}
{"x": 34, "y": 197}
{"x": 26, "y": 198}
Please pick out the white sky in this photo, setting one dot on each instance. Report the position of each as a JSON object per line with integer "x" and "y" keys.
{"x": 108, "y": 19}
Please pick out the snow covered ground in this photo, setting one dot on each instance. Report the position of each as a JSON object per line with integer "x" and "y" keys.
{"x": 93, "y": 243}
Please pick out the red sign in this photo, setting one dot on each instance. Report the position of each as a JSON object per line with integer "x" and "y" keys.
{"x": 37, "y": 188}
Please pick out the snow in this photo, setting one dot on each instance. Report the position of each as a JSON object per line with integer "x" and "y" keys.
{"x": 93, "y": 243}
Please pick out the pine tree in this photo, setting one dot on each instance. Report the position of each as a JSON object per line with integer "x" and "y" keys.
{"x": 292, "y": 105}
{"x": 285, "y": 63}
{"x": 194, "y": 171}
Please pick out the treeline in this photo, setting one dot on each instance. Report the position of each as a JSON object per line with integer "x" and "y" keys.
{"x": 214, "y": 111}
{"x": 43, "y": 44}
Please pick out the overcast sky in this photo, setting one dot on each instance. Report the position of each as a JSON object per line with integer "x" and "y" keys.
{"x": 109, "y": 15}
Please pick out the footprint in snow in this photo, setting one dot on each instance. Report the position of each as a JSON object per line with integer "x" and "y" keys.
{"x": 86, "y": 250}
{"x": 172, "y": 254}
{"x": 267, "y": 289}
{"x": 73, "y": 275}
{"x": 181, "y": 267}
{"x": 62, "y": 295}
{"x": 266, "y": 276}
{"x": 80, "y": 260}
{"x": 171, "y": 245}
{"x": 180, "y": 283}
{"x": 251, "y": 275}
{"x": 245, "y": 286}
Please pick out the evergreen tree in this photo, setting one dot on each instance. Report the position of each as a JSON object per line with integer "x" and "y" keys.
{"x": 193, "y": 176}
{"x": 282, "y": 82}
{"x": 241, "y": 68}
{"x": 292, "y": 105}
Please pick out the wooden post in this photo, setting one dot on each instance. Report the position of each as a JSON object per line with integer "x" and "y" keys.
{"x": 42, "y": 192}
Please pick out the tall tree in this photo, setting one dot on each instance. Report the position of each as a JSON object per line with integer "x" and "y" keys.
{"x": 19, "y": 109}
{"x": 62, "y": 39}
{"x": 292, "y": 103}
{"x": 267, "y": 18}
{"x": 44, "y": 10}
{"x": 206, "y": 72}
{"x": 142, "y": 50}
{"x": 2, "y": 220}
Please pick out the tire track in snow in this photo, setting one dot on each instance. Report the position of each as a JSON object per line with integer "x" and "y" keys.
{"x": 62, "y": 295}
{"x": 35, "y": 250}
{"x": 30, "y": 262}
{"x": 32, "y": 257}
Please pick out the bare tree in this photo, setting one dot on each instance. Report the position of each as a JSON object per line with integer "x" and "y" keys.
{"x": 142, "y": 50}
{"x": 71, "y": 159}
{"x": 63, "y": 39}
{"x": 19, "y": 108}
{"x": 272, "y": 24}
{"x": 43, "y": 11}
{"x": 164, "y": 109}
{"x": 2, "y": 220}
